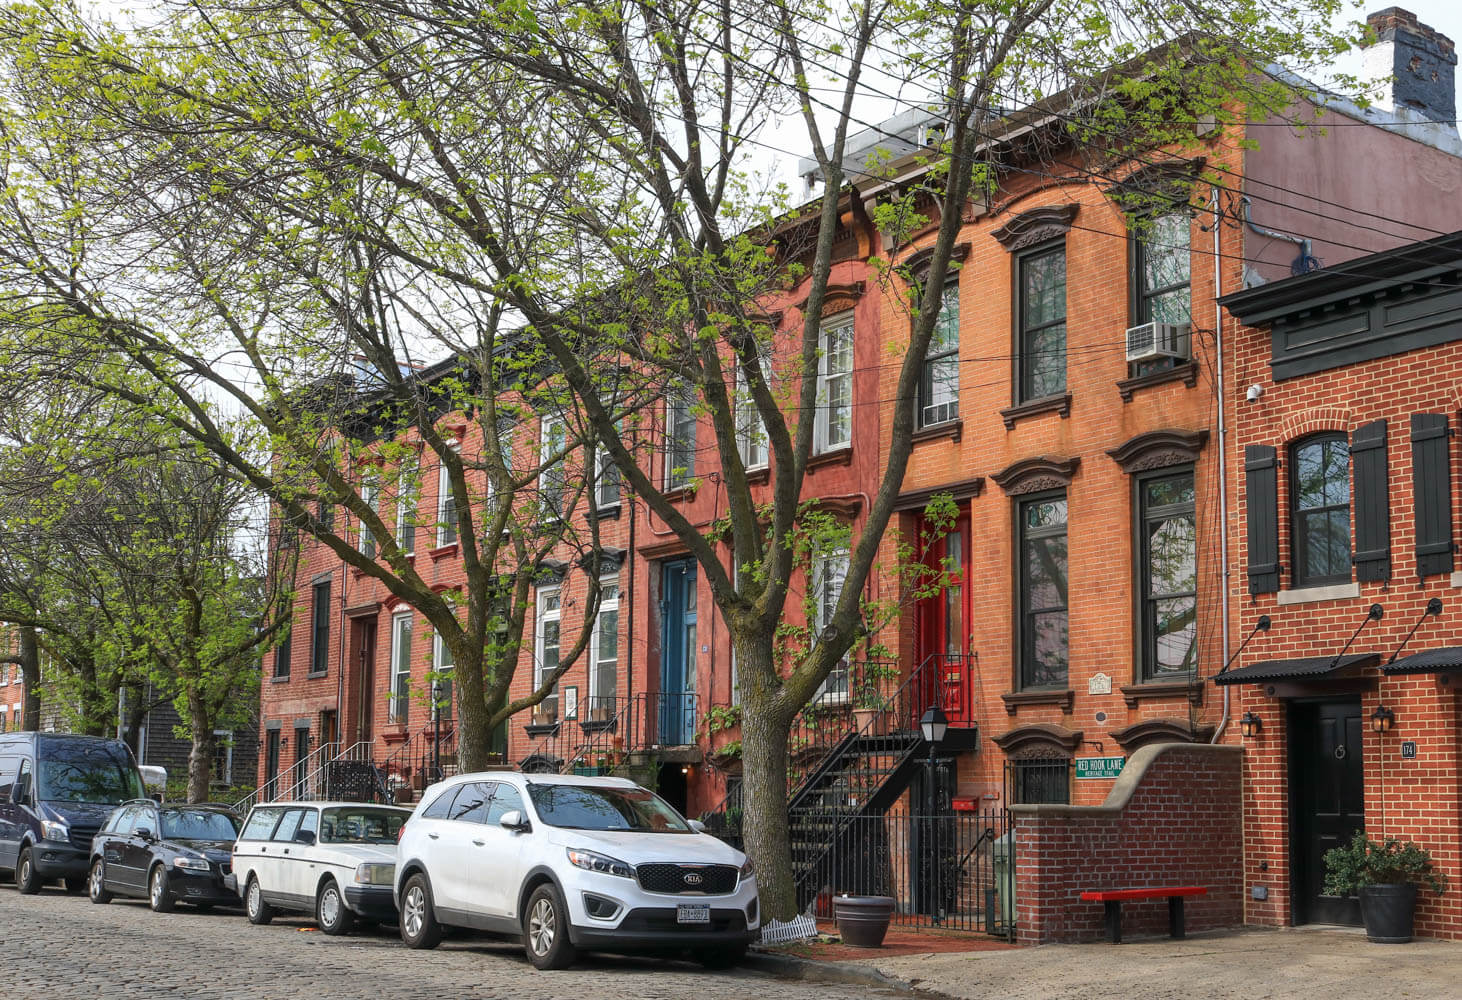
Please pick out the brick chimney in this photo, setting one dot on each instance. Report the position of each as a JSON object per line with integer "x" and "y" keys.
{"x": 1422, "y": 60}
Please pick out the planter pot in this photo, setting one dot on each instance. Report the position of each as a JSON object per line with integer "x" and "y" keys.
{"x": 870, "y": 721}
{"x": 863, "y": 920}
{"x": 1388, "y": 911}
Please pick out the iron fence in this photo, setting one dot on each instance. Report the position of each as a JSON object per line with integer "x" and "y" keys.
{"x": 954, "y": 869}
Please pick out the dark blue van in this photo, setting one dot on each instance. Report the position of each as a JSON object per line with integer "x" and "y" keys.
{"x": 56, "y": 791}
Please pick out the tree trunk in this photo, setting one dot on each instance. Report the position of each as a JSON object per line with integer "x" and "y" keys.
{"x": 132, "y": 720}
{"x": 30, "y": 673}
{"x": 200, "y": 762}
{"x": 764, "y": 780}
{"x": 98, "y": 715}
{"x": 474, "y": 736}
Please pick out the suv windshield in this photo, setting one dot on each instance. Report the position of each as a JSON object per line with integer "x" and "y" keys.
{"x": 198, "y": 824}
{"x": 588, "y": 807}
{"x": 86, "y": 774}
{"x": 361, "y": 826}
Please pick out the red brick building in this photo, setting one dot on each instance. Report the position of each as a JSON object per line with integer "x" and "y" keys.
{"x": 1348, "y": 390}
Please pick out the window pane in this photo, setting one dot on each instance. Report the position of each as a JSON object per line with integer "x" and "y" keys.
{"x": 1044, "y": 362}
{"x": 1044, "y": 288}
{"x": 1172, "y": 556}
{"x": 1176, "y": 625}
{"x": 1043, "y": 634}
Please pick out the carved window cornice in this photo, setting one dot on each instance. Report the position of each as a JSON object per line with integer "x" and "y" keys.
{"x": 917, "y": 264}
{"x": 1036, "y": 225}
{"x": 1151, "y": 731}
{"x": 1158, "y": 450}
{"x": 1157, "y": 188}
{"x": 1038, "y": 740}
{"x": 836, "y": 298}
{"x": 1033, "y": 475}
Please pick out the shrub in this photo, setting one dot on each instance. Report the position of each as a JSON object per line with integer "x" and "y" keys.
{"x": 1379, "y": 862}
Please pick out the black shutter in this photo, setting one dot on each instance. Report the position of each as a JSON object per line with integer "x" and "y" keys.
{"x": 1261, "y": 468}
{"x": 1372, "y": 557}
{"x": 1431, "y": 472}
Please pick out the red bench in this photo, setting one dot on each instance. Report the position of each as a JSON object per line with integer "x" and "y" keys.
{"x": 1112, "y": 900}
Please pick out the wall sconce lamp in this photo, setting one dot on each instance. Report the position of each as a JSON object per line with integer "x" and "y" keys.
{"x": 1382, "y": 719}
{"x": 1250, "y": 724}
{"x": 685, "y": 769}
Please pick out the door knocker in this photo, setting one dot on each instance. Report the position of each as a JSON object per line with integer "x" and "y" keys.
{"x": 1340, "y": 752}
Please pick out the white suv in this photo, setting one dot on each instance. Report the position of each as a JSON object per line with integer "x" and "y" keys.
{"x": 568, "y": 863}
{"x": 336, "y": 860}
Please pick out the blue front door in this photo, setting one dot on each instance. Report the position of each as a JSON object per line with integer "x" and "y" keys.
{"x": 677, "y": 656}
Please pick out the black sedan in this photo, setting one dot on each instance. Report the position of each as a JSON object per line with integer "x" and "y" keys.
{"x": 164, "y": 853}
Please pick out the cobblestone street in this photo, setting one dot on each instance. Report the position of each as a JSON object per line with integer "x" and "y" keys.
{"x": 62, "y": 947}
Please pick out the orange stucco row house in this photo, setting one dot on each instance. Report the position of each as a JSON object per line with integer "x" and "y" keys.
{"x": 1086, "y": 405}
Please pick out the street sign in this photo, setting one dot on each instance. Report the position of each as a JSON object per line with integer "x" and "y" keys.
{"x": 1099, "y": 767}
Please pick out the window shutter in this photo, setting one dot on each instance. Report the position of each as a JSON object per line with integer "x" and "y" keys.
{"x": 1372, "y": 557}
{"x": 1431, "y": 471}
{"x": 1261, "y": 466}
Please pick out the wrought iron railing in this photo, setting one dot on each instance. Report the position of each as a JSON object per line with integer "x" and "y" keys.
{"x": 305, "y": 779}
{"x": 663, "y": 719}
{"x": 597, "y": 734}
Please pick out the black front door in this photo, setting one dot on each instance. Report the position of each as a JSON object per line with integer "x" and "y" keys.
{"x": 1327, "y": 802}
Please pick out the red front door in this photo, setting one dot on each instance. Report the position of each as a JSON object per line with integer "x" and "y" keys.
{"x": 943, "y": 618}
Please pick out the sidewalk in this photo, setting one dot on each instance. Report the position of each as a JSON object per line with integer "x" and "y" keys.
{"x": 1254, "y": 964}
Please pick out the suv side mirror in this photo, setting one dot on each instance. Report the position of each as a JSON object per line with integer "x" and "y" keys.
{"x": 304, "y": 837}
{"x": 515, "y": 820}
{"x": 142, "y": 833}
{"x": 696, "y": 825}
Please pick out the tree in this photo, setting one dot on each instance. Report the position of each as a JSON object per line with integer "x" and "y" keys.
{"x": 382, "y": 174}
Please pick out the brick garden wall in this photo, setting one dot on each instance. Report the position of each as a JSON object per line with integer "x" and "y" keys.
{"x": 1174, "y": 817}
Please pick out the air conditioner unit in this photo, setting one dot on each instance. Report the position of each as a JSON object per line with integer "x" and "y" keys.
{"x": 1157, "y": 340}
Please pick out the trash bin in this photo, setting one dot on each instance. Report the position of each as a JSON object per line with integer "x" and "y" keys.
{"x": 1004, "y": 864}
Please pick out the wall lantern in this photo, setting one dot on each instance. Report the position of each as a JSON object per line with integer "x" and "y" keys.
{"x": 1382, "y": 719}
{"x": 934, "y": 725}
{"x": 1250, "y": 724}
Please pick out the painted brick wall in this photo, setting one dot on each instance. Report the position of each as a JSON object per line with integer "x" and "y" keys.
{"x": 1173, "y": 818}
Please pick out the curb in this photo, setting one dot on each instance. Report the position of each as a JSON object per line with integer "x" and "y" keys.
{"x": 846, "y": 973}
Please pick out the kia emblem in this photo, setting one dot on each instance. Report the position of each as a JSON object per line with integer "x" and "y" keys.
{"x": 691, "y": 878}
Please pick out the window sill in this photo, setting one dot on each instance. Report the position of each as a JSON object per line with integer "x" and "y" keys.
{"x": 314, "y": 675}
{"x": 1134, "y": 693}
{"x": 758, "y": 475}
{"x": 952, "y": 429}
{"x": 1312, "y": 595}
{"x": 444, "y": 550}
{"x": 279, "y": 680}
{"x": 537, "y": 729}
{"x": 1013, "y": 700}
{"x": 395, "y": 732}
{"x": 674, "y": 494}
{"x": 1187, "y": 373}
{"x": 608, "y": 513}
{"x": 1046, "y": 404}
{"x": 842, "y": 455}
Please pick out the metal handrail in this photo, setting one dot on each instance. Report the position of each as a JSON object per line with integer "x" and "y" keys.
{"x": 324, "y": 755}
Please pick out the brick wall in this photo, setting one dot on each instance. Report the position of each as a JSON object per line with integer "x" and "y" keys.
{"x": 1172, "y": 818}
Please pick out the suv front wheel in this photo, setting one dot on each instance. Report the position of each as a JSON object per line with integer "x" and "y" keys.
{"x": 419, "y": 927}
{"x": 546, "y": 929}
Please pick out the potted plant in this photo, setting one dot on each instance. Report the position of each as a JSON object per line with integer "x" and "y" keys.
{"x": 1385, "y": 874}
{"x": 863, "y": 920}
{"x": 870, "y": 704}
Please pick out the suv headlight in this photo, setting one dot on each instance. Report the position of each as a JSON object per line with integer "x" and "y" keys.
{"x": 589, "y": 861}
{"x": 54, "y": 830}
{"x": 192, "y": 864}
{"x": 748, "y": 870}
{"x": 375, "y": 874}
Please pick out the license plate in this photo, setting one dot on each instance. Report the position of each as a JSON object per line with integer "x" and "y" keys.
{"x": 691, "y": 913}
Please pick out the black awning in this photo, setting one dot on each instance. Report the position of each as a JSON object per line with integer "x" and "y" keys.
{"x": 1428, "y": 661}
{"x": 1308, "y": 668}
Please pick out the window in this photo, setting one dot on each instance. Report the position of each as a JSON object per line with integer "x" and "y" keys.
{"x": 446, "y": 504}
{"x": 400, "y": 666}
{"x": 751, "y": 430}
{"x": 606, "y": 475}
{"x": 505, "y": 799}
{"x": 1168, "y": 550}
{"x": 939, "y": 385}
{"x": 2, "y": 719}
{"x": 1042, "y": 340}
{"x": 369, "y": 489}
{"x": 406, "y": 505}
{"x": 1162, "y": 265}
{"x": 1320, "y": 501}
{"x": 441, "y": 806}
{"x": 442, "y": 665}
{"x": 1043, "y": 632}
{"x": 281, "y": 655}
{"x": 320, "y": 629}
{"x": 1039, "y": 781}
{"x": 261, "y": 822}
{"x": 471, "y": 802}
{"x": 828, "y": 573}
{"x": 679, "y": 439}
{"x": 223, "y": 757}
{"x": 604, "y": 654}
{"x": 552, "y": 480}
{"x": 271, "y": 756}
{"x": 545, "y": 660}
{"x": 834, "y": 426}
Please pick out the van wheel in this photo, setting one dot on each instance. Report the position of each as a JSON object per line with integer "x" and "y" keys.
{"x": 546, "y": 930}
{"x": 331, "y": 911}
{"x": 26, "y": 879}
{"x": 259, "y": 911}
{"x": 419, "y": 927}
{"x": 97, "y": 883}
{"x": 159, "y": 896}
